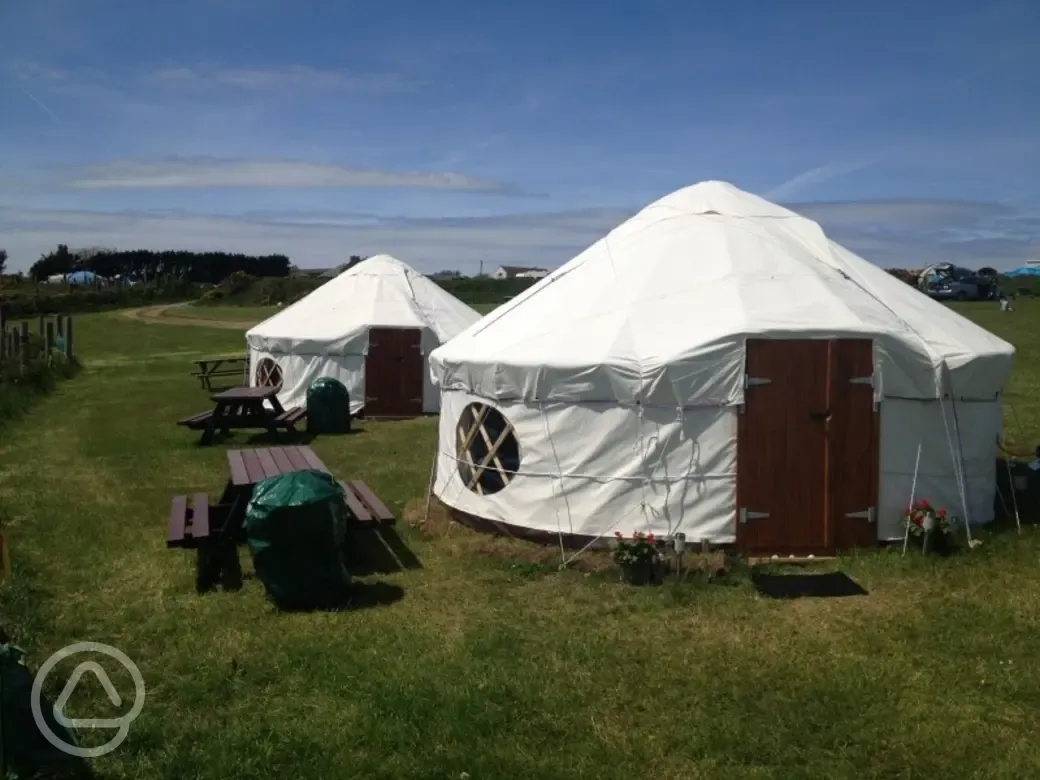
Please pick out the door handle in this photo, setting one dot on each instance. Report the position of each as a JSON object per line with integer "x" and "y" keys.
{"x": 821, "y": 416}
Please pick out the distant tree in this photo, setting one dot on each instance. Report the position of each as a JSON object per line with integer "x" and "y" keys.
{"x": 3, "y": 260}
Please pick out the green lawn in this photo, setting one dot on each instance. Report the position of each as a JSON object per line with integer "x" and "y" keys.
{"x": 494, "y": 664}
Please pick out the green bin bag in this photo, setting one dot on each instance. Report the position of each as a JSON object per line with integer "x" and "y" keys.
{"x": 24, "y": 751}
{"x": 296, "y": 526}
{"x": 328, "y": 407}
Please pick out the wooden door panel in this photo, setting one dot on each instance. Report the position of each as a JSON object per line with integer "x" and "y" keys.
{"x": 782, "y": 448}
{"x": 853, "y": 444}
{"x": 394, "y": 373}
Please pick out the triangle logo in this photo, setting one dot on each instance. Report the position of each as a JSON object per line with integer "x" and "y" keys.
{"x": 70, "y": 686}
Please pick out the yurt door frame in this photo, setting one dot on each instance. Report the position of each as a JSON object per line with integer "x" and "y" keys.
{"x": 807, "y": 447}
{"x": 394, "y": 369}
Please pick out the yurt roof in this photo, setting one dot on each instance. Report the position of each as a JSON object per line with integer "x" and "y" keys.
{"x": 683, "y": 283}
{"x": 380, "y": 291}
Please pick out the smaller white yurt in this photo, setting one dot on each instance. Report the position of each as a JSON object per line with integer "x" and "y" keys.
{"x": 371, "y": 328}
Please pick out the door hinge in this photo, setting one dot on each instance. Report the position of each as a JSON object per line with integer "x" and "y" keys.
{"x": 745, "y": 515}
{"x": 862, "y": 380}
{"x": 755, "y": 381}
{"x": 867, "y": 514}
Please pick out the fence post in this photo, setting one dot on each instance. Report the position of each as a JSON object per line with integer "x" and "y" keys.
{"x": 23, "y": 346}
{"x": 43, "y": 320}
{"x": 48, "y": 339}
{"x": 61, "y": 325}
{"x": 3, "y": 333}
{"x": 68, "y": 338}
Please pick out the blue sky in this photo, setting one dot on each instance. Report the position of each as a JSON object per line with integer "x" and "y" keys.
{"x": 451, "y": 133}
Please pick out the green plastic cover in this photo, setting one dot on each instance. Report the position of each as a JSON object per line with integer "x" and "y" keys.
{"x": 328, "y": 406}
{"x": 24, "y": 751}
{"x": 296, "y": 526}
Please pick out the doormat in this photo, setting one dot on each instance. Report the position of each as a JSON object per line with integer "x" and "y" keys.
{"x": 796, "y": 586}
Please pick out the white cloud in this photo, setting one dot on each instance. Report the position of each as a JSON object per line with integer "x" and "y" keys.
{"x": 203, "y": 172}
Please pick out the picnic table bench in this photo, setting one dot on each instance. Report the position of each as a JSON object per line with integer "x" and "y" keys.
{"x": 214, "y": 530}
{"x": 244, "y": 407}
{"x": 235, "y": 369}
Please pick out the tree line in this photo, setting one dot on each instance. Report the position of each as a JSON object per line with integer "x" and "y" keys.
{"x": 145, "y": 265}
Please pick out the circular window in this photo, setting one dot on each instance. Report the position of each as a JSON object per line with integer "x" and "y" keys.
{"x": 487, "y": 450}
{"x": 268, "y": 374}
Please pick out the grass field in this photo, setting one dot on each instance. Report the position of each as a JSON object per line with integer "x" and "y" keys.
{"x": 493, "y": 664}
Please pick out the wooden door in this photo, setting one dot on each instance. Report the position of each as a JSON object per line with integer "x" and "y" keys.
{"x": 806, "y": 447}
{"x": 394, "y": 373}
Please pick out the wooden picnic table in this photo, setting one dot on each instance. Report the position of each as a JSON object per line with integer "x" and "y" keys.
{"x": 211, "y": 368}
{"x": 215, "y": 530}
{"x": 244, "y": 407}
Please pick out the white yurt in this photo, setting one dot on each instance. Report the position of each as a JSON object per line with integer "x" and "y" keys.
{"x": 372, "y": 328}
{"x": 717, "y": 366}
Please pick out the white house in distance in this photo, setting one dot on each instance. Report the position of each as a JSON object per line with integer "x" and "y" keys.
{"x": 717, "y": 366}
{"x": 518, "y": 272}
{"x": 371, "y": 328}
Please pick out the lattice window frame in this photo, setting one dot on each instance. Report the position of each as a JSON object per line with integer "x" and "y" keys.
{"x": 268, "y": 373}
{"x": 467, "y": 429}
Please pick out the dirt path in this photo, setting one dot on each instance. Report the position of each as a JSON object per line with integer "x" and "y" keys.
{"x": 157, "y": 314}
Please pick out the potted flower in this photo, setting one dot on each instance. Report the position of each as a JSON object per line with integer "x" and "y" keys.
{"x": 930, "y": 527}
{"x": 638, "y": 558}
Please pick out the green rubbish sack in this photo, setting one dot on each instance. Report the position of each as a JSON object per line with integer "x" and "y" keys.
{"x": 24, "y": 750}
{"x": 296, "y": 527}
{"x": 328, "y": 406}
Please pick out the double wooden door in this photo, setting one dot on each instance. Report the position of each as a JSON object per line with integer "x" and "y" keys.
{"x": 394, "y": 373}
{"x": 807, "y": 447}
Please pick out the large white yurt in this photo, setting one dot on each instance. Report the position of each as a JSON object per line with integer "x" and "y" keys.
{"x": 372, "y": 328}
{"x": 717, "y": 366}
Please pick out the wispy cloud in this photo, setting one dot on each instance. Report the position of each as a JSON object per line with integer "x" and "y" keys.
{"x": 206, "y": 173}
{"x": 967, "y": 234}
{"x": 291, "y": 79}
{"x": 300, "y": 77}
{"x": 814, "y": 176}
{"x": 41, "y": 104}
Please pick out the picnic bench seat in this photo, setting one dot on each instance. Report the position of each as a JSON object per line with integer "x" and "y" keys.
{"x": 189, "y": 524}
{"x": 197, "y": 422}
{"x": 365, "y": 505}
{"x": 290, "y": 417}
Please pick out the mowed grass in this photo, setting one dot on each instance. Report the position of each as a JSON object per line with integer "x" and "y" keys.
{"x": 492, "y": 665}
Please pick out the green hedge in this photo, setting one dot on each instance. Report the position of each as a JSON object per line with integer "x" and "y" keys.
{"x": 241, "y": 289}
{"x": 30, "y": 300}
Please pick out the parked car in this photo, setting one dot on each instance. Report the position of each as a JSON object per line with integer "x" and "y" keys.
{"x": 947, "y": 282}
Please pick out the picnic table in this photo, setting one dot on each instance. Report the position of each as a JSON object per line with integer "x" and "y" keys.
{"x": 214, "y": 530}
{"x": 244, "y": 407}
{"x": 211, "y": 368}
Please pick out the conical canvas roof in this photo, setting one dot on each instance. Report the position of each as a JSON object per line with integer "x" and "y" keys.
{"x": 381, "y": 291}
{"x": 659, "y": 310}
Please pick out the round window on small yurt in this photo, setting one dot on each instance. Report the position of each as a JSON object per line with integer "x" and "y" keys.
{"x": 487, "y": 451}
{"x": 268, "y": 373}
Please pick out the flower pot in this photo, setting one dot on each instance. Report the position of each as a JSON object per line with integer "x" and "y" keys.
{"x": 642, "y": 573}
{"x": 935, "y": 542}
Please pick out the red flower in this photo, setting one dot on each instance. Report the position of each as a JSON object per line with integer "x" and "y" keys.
{"x": 650, "y": 539}
{"x": 941, "y": 513}
{"x": 917, "y": 518}
{"x": 922, "y": 504}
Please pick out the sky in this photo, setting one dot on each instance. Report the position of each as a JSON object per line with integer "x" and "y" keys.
{"x": 462, "y": 136}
